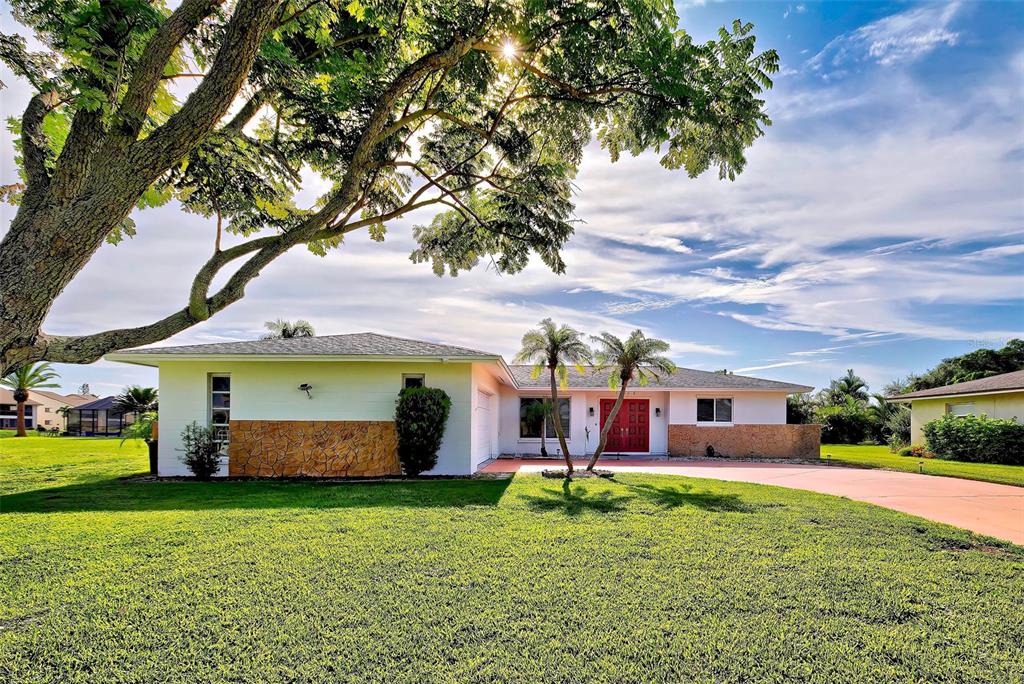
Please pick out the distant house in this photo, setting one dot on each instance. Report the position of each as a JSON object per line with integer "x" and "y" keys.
{"x": 49, "y": 413}
{"x": 98, "y": 418}
{"x": 998, "y": 396}
{"x": 324, "y": 406}
{"x": 9, "y": 411}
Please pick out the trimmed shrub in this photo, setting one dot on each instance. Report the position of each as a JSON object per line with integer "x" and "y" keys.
{"x": 976, "y": 438}
{"x": 916, "y": 451}
{"x": 898, "y": 426}
{"x": 201, "y": 450}
{"x": 421, "y": 414}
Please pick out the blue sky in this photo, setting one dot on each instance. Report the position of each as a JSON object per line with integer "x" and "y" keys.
{"x": 878, "y": 225}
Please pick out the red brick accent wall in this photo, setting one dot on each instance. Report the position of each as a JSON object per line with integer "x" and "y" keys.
{"x": 313, "y": 448}
{"x": 740, "y": 441}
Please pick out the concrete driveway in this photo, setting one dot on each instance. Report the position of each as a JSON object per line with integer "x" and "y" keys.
{"x": 993, "y": 509}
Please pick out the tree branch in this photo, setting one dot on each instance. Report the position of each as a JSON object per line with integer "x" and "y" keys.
{"x": 34, "y": 148}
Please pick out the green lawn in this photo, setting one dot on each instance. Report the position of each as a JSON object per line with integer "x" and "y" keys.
{"x": 644, "y": 578}
{"x": 881, "y": 457}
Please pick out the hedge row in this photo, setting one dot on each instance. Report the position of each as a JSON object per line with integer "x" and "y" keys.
{"x": 976, "y": 438}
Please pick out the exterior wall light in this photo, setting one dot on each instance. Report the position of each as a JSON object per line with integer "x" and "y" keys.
{"x": 591, "y": 410}
{"x": 307, "y": 388}
{"x": 657, "y": 412}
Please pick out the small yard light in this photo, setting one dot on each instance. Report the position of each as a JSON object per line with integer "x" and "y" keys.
{"x": 828, "y": 459}
{"x": 920, "y": 467}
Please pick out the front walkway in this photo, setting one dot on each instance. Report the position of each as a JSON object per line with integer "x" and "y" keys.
{"x": 993, "y": 509}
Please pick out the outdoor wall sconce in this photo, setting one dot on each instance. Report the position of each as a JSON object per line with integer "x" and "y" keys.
{"x": 307, "y": 388}
{"x": 591, "y": 410}
{"x": 657, "y": 412}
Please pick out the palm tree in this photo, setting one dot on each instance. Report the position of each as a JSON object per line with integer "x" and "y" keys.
{"x": 286, "y": 330}
{"x": 552, "y": 347}
{"x": 539, "y": 411}
{"x": 850, "y": 385}
{"x": 25, "y": 378}
{"x": 640, "y": 358}
{"x": 136, "y": 400}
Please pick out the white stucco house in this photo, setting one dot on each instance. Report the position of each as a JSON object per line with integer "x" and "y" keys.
{"x": 325, "y": 406}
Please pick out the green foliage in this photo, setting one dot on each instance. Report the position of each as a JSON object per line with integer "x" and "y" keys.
{"x": 137, "y": 400}
{"x": 140, "y": 428}
{"x": 846, "y": 423}
{"x": 552, "y": 346}
{"x": 496, "y": 140}
{"x": 200, "y": 450}
{"x": 30, "y": 377}
{"x": 711, "y": 581}
{"x": 638, "y": 358}
{"x": 975, "y": 365}
{"x": 800, "y": 409}
{"x": 850, "y": 386}
{"x": 976, "y": 438}
{"x": 421, "y": 415}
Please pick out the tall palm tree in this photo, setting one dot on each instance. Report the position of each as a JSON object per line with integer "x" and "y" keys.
{"x": 137, "y": 400}
{"x": 638, "y": 357}
{"x": 286, "y": 330}
{"x": 25, "y": 378}
{"x": 551, "y": 347}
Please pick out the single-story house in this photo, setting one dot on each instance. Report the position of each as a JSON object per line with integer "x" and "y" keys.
{"x": 50, "y": 414}
{"x": 9, "y": 411}
{"x": 997, "y": 396}
{"x": 98, "y": 418}
{"x": 325, "y": 406}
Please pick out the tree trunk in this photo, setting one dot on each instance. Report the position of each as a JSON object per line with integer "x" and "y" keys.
{"x": 557, "y": 418}
{"x": 608, "y": 425}
{"x": 21, "y": 420}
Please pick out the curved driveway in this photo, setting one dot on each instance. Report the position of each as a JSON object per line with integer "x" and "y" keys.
{"x": 993, "y": 509}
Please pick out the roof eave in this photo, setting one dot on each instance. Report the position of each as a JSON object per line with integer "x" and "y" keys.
{"x": 949, "y": 395}
{"x": 155, "y": 359}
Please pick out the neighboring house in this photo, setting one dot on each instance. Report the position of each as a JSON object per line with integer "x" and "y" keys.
{"x": 97, "y": 418}
{"x": 9, "y": 411}
{"x": 49, "y": 414}
{"x": 255, "y": 394}
{"x": 997, "y": 396}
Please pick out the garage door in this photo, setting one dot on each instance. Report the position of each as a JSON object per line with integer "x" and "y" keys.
{"x": 484, "y": 438}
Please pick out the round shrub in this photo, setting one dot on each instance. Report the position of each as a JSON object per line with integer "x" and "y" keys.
{"x": 976, "y": 438}
{"x": 421, "y": 414}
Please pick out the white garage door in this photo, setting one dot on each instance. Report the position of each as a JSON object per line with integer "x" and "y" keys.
{"x": 484, "y": 436}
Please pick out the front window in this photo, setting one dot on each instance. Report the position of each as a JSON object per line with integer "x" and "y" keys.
{"x": 413, "y": 380}
{"x": 714, "y": 410}
{"x": 960, "y": 409}
{"x": 220, "y": 408}
{"x": 532, "y": 424}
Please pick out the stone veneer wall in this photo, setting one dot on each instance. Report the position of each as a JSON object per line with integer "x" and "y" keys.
{"x": 313, "y": 448}
{"x": 740, "y": 441}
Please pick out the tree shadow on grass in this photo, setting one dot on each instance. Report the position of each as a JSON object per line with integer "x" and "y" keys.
{"x": 121, "y": 495}
{"x": 574, "y": 502}
{"x": 674, "y": 496}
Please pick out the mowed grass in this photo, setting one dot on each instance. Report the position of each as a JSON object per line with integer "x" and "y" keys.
{"x": 639, "y": 579}
{"x": 881, "y": 457}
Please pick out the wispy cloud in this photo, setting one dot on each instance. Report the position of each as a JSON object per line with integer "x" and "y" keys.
{"x": 898, "y": 38}
{"x": 780, "y": 364}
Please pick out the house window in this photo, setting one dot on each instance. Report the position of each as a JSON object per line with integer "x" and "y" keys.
{"x": 413, "y": 380}
{"x": 220, "y": 408}
{"x": 960, "y": 409}
{"x": 47, "y": 409}
{"x": 531, "y": 425}
{"x": 714, "y": 410}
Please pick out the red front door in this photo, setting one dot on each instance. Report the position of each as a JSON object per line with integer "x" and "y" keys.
{"x": 631, "y": 430}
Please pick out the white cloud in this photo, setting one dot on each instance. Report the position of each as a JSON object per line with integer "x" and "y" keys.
{"x": 898, "y": 38}
{"x": 780, "y": 364}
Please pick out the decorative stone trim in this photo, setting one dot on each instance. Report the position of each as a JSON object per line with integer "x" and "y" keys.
{"x": 313, "y": 448}
{"x": 746, "y": 441}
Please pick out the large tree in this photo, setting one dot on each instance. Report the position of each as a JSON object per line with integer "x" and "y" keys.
{"x": 479, "y": 109}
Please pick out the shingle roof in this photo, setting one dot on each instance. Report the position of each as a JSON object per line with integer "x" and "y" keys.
{"x": 7, "y": 397}
{"x": 97, "y": 404}
{"x": 993, "y": 383}
{"x": 355, "y": 344}
{"x": 69, "y": 399}
{"x": 683, "y": 378}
